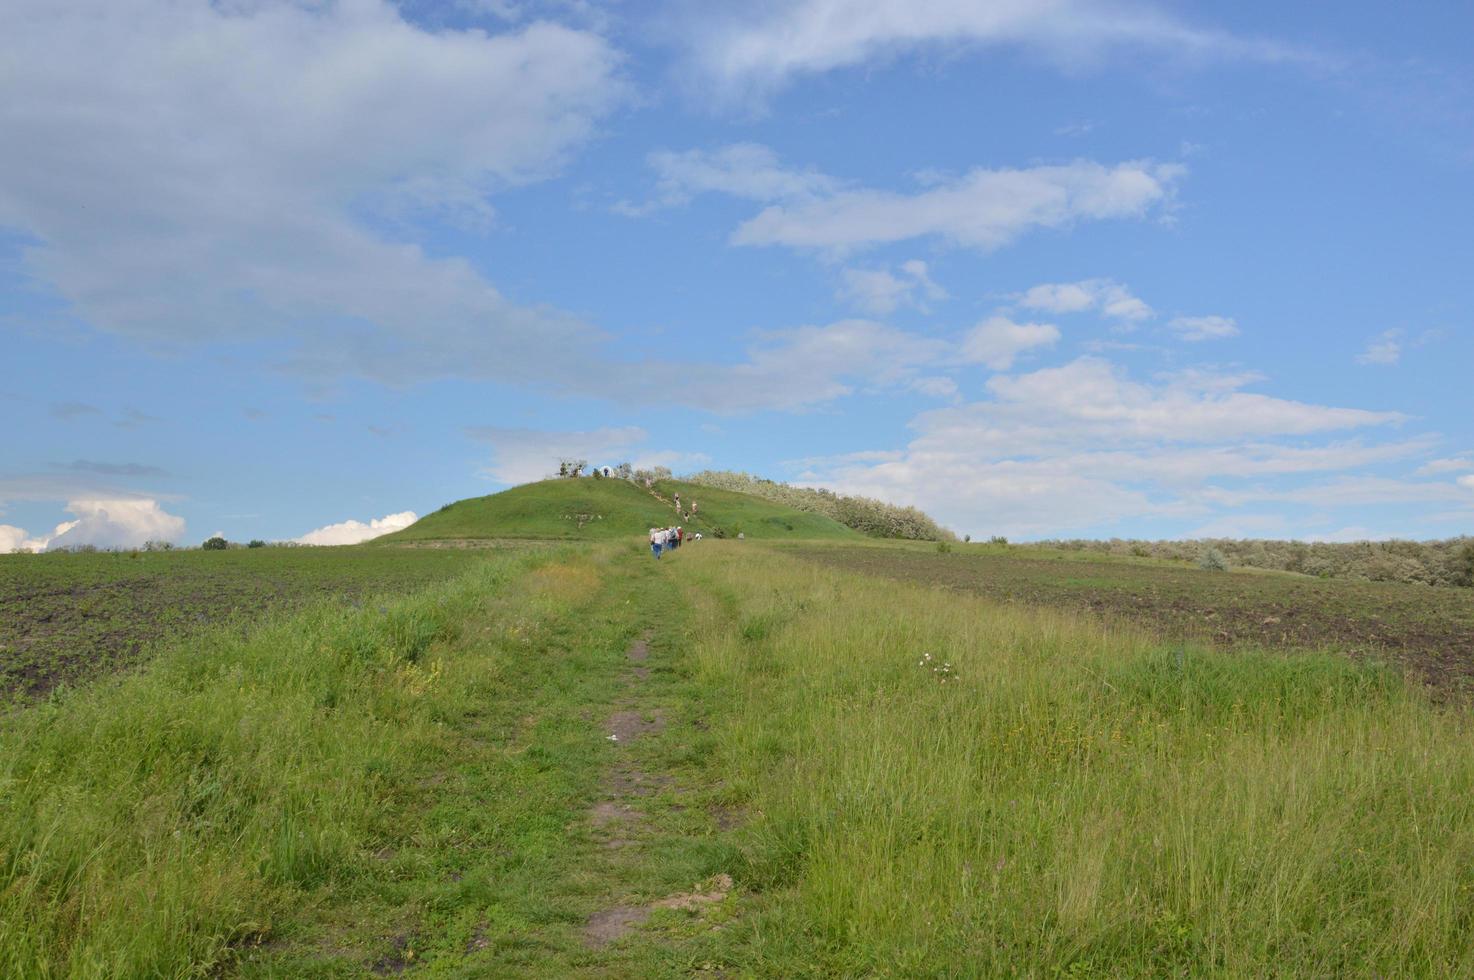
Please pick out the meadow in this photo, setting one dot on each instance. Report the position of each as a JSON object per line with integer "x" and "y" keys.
{"x": 65, "y": 617}
{"x": 749, "y": 758}
{"x": 1426, "y": 630}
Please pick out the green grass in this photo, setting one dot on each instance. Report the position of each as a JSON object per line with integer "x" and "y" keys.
{"x": 1071, "y": 800}
{"x": 347, "y": 791}
{"x": 598, "y": 510}
{"x": 1416, "y": 626}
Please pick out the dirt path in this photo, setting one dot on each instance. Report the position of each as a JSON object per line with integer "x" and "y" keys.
{"x": 620, "y": 820}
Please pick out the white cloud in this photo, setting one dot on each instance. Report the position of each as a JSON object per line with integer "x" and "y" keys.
{"x": 1466, "y": 481}
{"x": 1385, "y": 348}
{"x": 101, "y": 523}
{"x": 1106, "y": 295}
{"x": 1203, "y": 327}
{"x": 998, "y": 340}
{"x": 791, "y": 369}
{"x": 746, "y": 170}
{"x": 353, "y": 532}
{"x": 754, "y": 49}
{"x": 222, "y": 173}
{"x": 1452, "y": 464}
{"x": 983, "y": 209}
{"x": 880, "y": 291}
{"x": 13, "y": 539}
{"x": 1083, "y": 445}
{"x": 935, "y": 386}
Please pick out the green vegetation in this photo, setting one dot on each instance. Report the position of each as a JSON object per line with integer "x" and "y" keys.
{"x": 67, "y": 617}
{"x": 1420, "y": 628}
{"x": 874, "y": 518}
{"x": 597, "y": 510}
{"x": 1066, "y": 800}
{"x": 805, "y": 771}
{"x": 1448, "y": 562}
{"x": 1212, "y": 560}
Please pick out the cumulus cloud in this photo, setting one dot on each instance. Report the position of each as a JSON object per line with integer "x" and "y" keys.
{"x": 1082, "y": 445}
{"x": 747, "y": 50}
{"x": 224, "y": 173}
{"x": 101, "y": 523}
{"x": 353, "y": 532}
{"x": 1203, "y": 327}
{"x": 1106, "y": 296}
{"x": 998, "y": 340}
{"x": 880, "y": 291}
{"x": 1385, "y": 348}
{"x": 13, "y": 539}
{"x": 983, "y": 209}
{"x": 1466, "y": 481}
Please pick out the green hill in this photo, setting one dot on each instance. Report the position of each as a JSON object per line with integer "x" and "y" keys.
{"x": 589, "y": 509}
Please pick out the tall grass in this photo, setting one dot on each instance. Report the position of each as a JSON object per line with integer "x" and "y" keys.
{"x": 1066, "y": 797}
{"x": 148, "y": 823}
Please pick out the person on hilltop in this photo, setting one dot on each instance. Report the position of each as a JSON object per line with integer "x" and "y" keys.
{"x": 657, "y": 541}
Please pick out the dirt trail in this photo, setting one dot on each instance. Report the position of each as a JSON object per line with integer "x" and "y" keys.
{"x": 618, "y": 820}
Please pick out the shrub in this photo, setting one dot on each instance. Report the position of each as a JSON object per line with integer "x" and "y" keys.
{"x": 216, "y": 543}
{"x": 256, "y": 543}
{"x": 944, "y": 547}
{"x": 1463, "y": 572}
{"x": 998, "y": 539}
{"x": 872, "y": 517}
{"x": 1212, "y": 560}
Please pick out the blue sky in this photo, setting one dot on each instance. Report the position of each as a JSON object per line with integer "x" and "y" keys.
{"x": 1044, "y": 269}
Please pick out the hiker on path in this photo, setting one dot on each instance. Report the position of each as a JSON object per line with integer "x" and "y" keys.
{"x": 657, "y": 540}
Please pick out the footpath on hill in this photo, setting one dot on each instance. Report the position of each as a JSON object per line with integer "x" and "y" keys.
{"x": 582, "y": 762}
{"x": 570, "y": 828}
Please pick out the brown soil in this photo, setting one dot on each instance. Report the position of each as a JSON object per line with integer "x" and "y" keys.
{"x": 626, "y": 726}
{"x": 611, "y": 924}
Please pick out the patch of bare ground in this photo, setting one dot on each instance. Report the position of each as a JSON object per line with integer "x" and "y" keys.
{"x": 727, "y": 817}
{"x": 615, "y": 923}
{"x": 626, "y": 726}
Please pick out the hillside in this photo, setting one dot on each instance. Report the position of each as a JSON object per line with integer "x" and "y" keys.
{"x": 588, "y": 509}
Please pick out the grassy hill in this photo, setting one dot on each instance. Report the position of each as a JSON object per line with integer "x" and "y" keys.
{"x": 588, "y": 509}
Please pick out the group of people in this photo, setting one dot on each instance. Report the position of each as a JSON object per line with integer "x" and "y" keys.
{"x": 669, "y": 539}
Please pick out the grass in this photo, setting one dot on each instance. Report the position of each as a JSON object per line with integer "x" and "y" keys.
{"x": 67, "y": 617}
{"x": 1421, "y": 628}
{"x": 601, "y": 510}
{"x": 900, "y": 780}
{"x": 1073, "y": 799}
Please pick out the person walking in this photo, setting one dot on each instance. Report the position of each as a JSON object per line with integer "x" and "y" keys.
{"x": 657, "y": 541}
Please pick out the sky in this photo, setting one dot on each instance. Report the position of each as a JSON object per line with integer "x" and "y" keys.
{"x": 1043, "y": 268}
